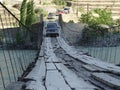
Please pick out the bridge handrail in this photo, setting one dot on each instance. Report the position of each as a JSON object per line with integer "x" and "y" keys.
{"x": 19, "y": 47}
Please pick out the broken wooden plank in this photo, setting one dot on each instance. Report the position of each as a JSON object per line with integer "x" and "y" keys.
{"x": 89, "y": 60}
{"x": 37, "y": 76}
{"x": 35, "y": 85}
{"x": 54, "y": 81}
{"x": 66, "y": 47}
{"x": 15, "y": 86}
{"x": 102, "y": 64}
{"x": 72, "y": 79}
{"x": 107, "y": 79}
{"x": 38, "y": 71}
{"x": 92, "y": 68}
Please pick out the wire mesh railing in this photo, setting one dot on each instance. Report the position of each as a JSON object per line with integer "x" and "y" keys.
{"x": 106, "y": 47}
{"x": 18, "y": 47}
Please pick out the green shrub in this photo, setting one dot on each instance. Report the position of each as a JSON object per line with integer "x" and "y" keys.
{"x": 81, "y": 9}
{"x": 19, "y": 38}
{"x": 38, "y": 11}
{"x": 103, "y": 16}
{"x": 118, "y": 21}
{"x": 95, "y": 19}
{"x": 86, "y": 18}
{"x": 91, "y": 33}
{"x": 60, "y": 2}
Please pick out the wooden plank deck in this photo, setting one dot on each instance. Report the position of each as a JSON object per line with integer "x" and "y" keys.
{"x": 50, "y": 66}
{"x": 54, "y": 81}
{"x": 72, "y": 79}
{"x": 36, "y": 76}
{"x": 107, "y": 79}
{"x": 87, "y": 59}
{"x": 92, "y": 68}
{"x": 50, "y": 75}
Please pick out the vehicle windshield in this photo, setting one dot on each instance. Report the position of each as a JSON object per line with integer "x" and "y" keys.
{"x": 66, "y": 8}
{"x": 51, "y": 14}
{"x": 51, "y": 25}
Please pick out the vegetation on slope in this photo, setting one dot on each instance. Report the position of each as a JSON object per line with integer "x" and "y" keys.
{"x": 30, "y": 13}
{"x": 98, "y": 31}
{"x": 60, "y": 2}
{"x": 23, "y": 11}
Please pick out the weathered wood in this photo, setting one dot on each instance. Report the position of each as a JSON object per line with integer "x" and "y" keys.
{"x": 107, "y": 79}
{"x": 15, "y": 86}
{"x": 38, "y": 71}
{"x": 68, "y": 48}
{"x": 37, "y": 76}
{"x": 54, "y": 81}
{"x": 35, "y": 85}
{"x": 89, "y": 60}
{"x": 72, "y": 79}
{"x": 92, "y": 68}
{"x": 103, "y": 65}
{"x": 50, "y": 66}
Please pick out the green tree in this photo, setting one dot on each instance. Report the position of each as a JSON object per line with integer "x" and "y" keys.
{"x": 97, "y": 21}
{"x": 23, "y": 11}
{"x": 30, "y": 14}
{"x": 105, "y": 16}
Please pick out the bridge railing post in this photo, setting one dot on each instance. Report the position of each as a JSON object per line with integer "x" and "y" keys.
{"x": 40, "y": 32}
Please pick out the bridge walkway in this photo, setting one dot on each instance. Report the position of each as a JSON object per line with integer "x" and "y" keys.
{"x": 50, "y": 74}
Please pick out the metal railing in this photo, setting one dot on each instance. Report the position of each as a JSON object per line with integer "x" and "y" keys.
{"x": 18, "y": 47}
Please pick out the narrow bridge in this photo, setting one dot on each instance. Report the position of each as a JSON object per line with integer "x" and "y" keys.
{"x": 49, "y": 63}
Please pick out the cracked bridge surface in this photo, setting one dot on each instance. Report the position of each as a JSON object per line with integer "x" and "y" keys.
{"x": 61, "y": 67}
